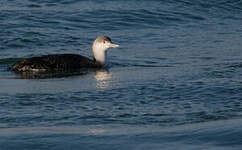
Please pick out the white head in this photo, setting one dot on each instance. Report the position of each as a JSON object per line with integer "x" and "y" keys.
{"x": 100, "y": 47}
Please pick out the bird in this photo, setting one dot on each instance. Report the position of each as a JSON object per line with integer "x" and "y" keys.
{"x": 67, "y": 62}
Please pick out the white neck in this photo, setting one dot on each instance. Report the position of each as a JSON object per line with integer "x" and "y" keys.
{"x": 100, "y": 53}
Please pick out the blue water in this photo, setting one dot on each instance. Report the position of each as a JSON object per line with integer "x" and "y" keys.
{"x": 175, "y": 82}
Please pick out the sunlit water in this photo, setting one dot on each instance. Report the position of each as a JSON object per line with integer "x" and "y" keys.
{"x": 175, "y": 82}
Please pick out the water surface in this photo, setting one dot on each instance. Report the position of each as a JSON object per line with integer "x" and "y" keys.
{"x": 175, "y": 82}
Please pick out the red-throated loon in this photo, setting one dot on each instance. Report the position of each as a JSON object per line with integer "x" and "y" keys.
{"x": 62, "y": 62}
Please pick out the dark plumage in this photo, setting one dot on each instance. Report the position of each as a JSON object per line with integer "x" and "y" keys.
{"x": 56, "y": 62}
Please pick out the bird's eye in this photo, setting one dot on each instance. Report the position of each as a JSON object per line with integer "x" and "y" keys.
{"x": 104, "y": 42}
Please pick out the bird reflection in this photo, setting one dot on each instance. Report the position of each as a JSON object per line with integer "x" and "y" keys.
{"x": 60, "y": 74}
{"x": 103, "y": 78}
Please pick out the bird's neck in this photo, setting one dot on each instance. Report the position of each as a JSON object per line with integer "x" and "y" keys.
{"x": 100, "y": 56}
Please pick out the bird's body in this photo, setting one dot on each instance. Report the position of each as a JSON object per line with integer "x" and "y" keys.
{"x": 67, "y": 62}
{"x": 55, "y": 62}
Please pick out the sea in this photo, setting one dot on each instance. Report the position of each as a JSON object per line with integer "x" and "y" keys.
{"x": 175, "y": 82}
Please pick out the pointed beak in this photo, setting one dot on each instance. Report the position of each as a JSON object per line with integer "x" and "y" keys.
{"x": 114, "y": 45}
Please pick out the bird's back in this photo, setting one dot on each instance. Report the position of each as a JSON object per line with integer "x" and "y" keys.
{"x": 56, "y": 62}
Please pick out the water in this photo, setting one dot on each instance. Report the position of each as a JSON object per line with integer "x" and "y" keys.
{"x": 175, "y": 82}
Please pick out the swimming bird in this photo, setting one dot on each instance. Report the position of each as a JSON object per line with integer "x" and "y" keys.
{"x": 65, "y": 62}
